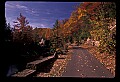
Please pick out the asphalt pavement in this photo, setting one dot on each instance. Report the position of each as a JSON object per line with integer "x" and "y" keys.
{"x": 85, "y": 65}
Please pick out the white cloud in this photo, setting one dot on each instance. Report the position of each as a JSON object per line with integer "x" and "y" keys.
{"x": 33, "y": 24}
{"x": 48, "y": 13}
{"x": 11, "y": 5}
{"x": 42, "y": 25}
{"x": 7, "y": 5}
{"x": 33, "y": 12}
{"x": 21, "y": 7}
{"x": 17, "y": 6}
{"x": 28, "y": 10}
{"x": 44, "y": 19}
{"x": 39, "y": 25}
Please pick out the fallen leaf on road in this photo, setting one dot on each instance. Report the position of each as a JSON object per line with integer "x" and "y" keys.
{"x": 81, "y": 65}
{"x": 78, "y": 70}
{"x": 90, "y": 66}
{"x": 97, "y": 66}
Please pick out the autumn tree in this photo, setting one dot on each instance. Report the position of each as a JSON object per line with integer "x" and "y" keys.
{"x": 90, "y": 20}
{"x": 21, "y": 22}
{"x": 22, "y": 31}
{"x": 78, "y": 25}
{"x": 101, "y": 15}
{"x": 36, "y": 36}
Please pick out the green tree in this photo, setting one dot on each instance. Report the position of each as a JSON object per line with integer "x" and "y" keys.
{"x": 105, "y": 15}
{"x": 8, "y": 32}
{"x": 56, "y": 30}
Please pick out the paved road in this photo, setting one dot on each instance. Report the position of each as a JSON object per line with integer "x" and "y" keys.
{"x": 83, "y": 64}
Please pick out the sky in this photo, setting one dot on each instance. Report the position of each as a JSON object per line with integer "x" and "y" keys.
{"x": 39, "y": 14}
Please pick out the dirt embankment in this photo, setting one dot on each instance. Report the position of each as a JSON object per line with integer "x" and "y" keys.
{"x": 58, "y": 67}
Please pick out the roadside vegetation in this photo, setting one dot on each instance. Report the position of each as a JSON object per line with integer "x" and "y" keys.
{"x": 93, "y": 20}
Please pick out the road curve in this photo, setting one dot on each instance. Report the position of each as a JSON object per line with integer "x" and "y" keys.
{"x": 85, "y": 65}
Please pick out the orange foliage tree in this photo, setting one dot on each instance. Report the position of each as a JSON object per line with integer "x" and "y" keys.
{"x": 22, "y": 31}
